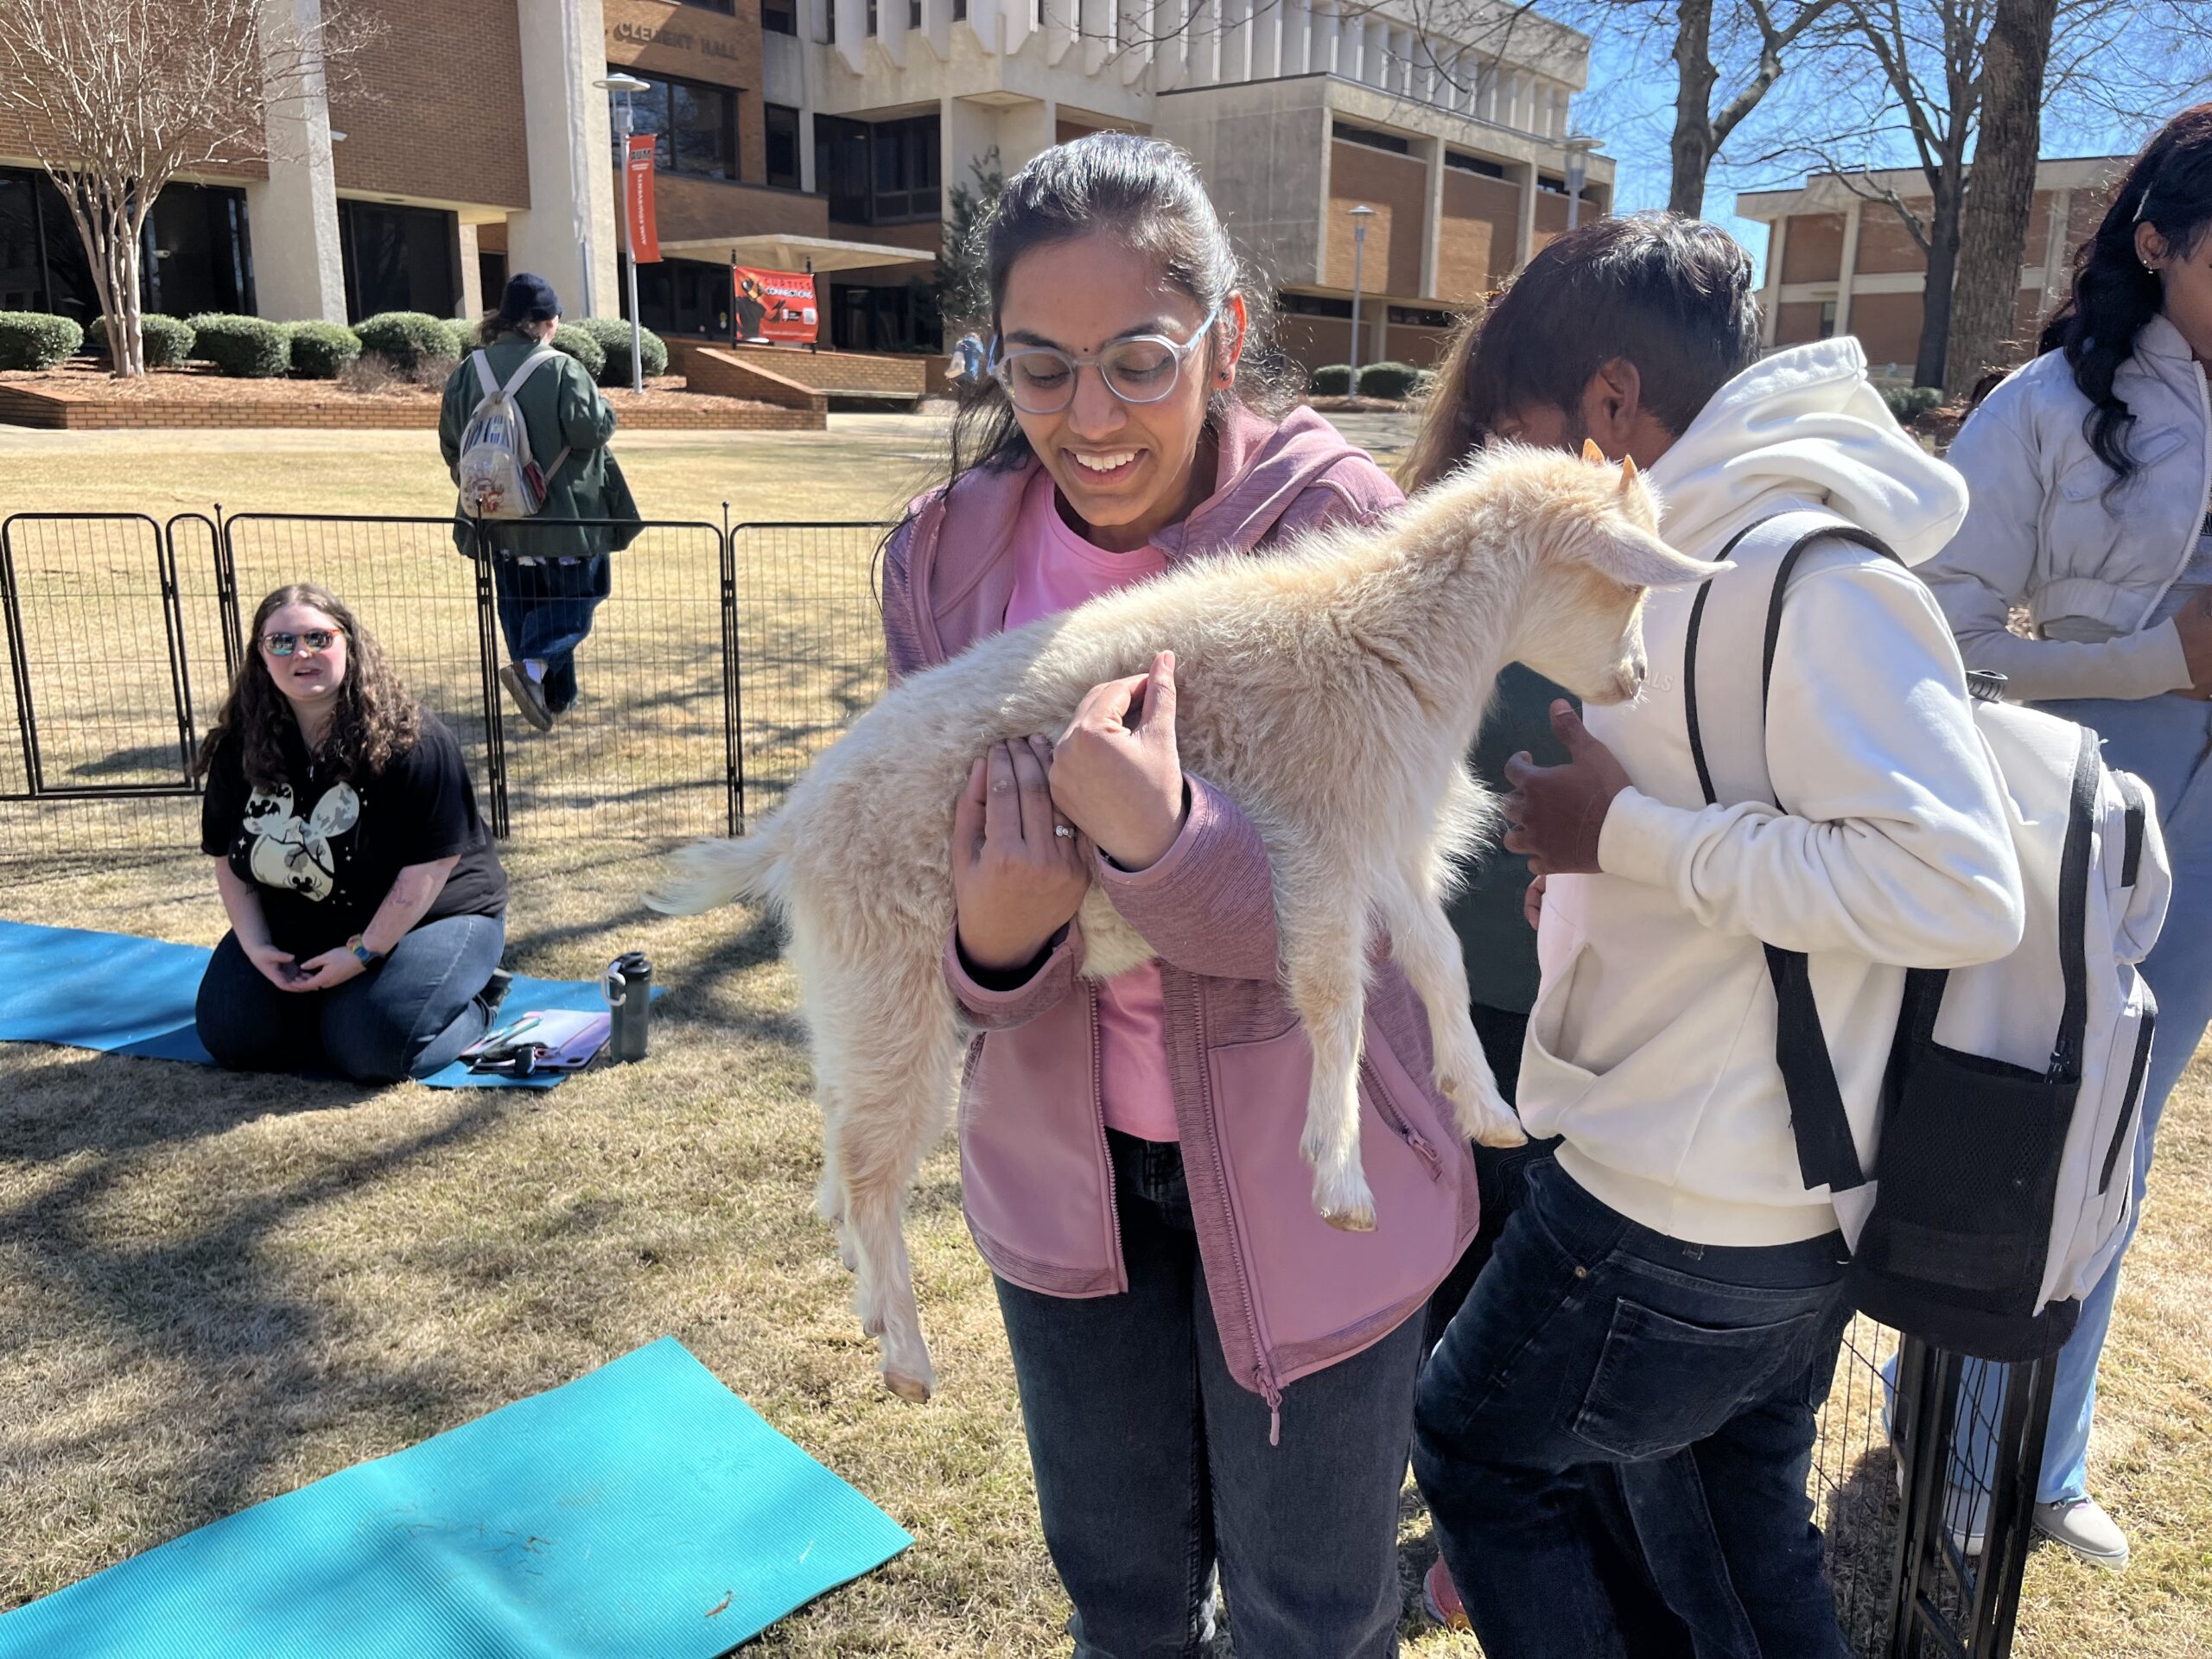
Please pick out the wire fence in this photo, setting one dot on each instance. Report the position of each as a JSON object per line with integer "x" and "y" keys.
{"x": 719, "y": 661}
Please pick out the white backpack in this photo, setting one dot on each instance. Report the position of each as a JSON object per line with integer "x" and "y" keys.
{"x": 498, "y": 478}
{"x": 2004, "y": 1169}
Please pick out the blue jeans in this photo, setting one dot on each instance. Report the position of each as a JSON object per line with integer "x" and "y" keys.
{"x": 2164, "y": 742}
{"x": 1598, "y": 1361}
{"x": 408, "y": 1015}
{"x": 545, "y": 612}
{"x": 1153, "y": 1468}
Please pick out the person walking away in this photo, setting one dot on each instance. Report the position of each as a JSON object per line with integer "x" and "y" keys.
{"x": 1211, "y": 1378}
{"x": 1664, "y": 1308}
{"x": 550, "y": 576}
{"x": 2091, "y": 477}
{"x": 367, "y": 906}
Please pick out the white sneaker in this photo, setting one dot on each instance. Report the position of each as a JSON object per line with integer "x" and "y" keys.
{"x": 2082, "y": 1525}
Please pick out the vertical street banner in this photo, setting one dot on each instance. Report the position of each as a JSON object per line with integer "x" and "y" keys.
{"x": 775, "y": 307}
{"x": 645, "y": 229}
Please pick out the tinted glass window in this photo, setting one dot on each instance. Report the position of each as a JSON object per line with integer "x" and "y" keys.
{"x": 782, "y": 122}
{"x": 399, "y": 260}
{"x": 695, "y": 125}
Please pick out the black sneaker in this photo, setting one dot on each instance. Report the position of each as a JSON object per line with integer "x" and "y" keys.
{"x": 528, "y": 697}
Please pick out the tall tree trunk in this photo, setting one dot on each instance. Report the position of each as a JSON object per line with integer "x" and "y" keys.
{"x": 1942, "y": 267}
{"x": 1693, "y": 145}
{"x": 1994, "y": 228}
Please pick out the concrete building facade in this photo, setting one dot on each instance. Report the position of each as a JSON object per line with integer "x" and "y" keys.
{"x": 1842, "y": 261}
{"x": 829, "y": 134}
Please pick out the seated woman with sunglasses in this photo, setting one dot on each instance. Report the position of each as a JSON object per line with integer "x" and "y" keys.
{"x": 367, "y": 906}
{"x": 1212, "y": 1379}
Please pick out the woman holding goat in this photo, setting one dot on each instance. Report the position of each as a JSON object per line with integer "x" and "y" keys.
{"x": 1212, "y": 1378}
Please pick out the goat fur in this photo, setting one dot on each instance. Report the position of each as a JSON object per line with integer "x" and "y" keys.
{"x": 1331, "y": 690}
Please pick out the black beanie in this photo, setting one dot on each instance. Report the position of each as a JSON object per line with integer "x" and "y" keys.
{"x": 528, "y": 299}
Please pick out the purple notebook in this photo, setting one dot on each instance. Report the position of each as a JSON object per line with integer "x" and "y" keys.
{"x": 551, "y": 1039}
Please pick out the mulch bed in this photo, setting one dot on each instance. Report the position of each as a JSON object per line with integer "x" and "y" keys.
{"x": 82, "y": 396}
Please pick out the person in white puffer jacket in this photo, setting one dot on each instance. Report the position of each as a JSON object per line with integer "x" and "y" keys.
{"x": 2090, "y": 472}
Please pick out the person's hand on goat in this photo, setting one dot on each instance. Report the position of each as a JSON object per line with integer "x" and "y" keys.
{"x": 1116, "y": 773}
{"x": 1017, "y": 879}
{"x": 1555, "y": 814}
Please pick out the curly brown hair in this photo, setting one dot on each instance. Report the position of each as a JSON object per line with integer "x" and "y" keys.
{"x": 376, "y": 719}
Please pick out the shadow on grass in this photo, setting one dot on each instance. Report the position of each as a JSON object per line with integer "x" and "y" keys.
{"x": 203, "y": 1296}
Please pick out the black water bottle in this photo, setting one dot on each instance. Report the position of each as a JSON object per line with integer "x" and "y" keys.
{"x": 629, "y": 989}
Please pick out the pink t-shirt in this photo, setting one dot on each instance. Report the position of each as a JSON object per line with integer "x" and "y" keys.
{"x": 1056, "y": 571}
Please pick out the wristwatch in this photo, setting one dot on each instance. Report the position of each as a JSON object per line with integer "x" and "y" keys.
{"x": 362, "y": 953}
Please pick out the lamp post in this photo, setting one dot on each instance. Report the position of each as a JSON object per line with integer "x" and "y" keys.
{"x": 627, "y": 84}
{"x": 1359, "y": 216}
{"x": 1579, "y": 146}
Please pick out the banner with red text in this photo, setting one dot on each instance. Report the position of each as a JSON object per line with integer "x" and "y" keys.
{"x": 644, "y": 228}
{"x": 775, "y": 307}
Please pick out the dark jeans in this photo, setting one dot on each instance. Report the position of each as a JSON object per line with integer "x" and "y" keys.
{"x": 1595, "y": 1351}
{"x": 1153, "y": 1466}
{"x": 545, "y": 612}
{"x": 408, "y": 1016}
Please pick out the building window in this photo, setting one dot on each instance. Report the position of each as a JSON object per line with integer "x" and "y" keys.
{"x": 1417, "y": 317}
{"x": 491, "y": 276}
{"x": 683, "y": 296}
{"x": 913, "y": 13}
{"x": 1827, "y": 319}
{"x": 196, "y": 256}
{"x": 727, "y": 8}
{"x": 871, "y": 16}
{"x": 783, "y": 146}
{"x": 399, "y": 260}
{"x": 1550, "y": 186}
{"x": 1467, "y": 163}
{"x": 1312, "y": 305}
{"x": 779, "y": 16}
{"x": 903, "y": 319}
{"x": 959, "y": 12}
{"x": 696, "y": 125}
{"x": 884, "y": 174}
{"x": 1351, "y": 134}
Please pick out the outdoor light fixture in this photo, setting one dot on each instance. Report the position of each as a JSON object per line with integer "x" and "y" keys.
{"x": 1578, "y": 146}
{"x": 628, "y": 86}
{"x": 1359, "y": 215}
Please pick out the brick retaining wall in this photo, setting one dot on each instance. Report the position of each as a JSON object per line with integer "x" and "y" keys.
{"x": 22, "y": 407}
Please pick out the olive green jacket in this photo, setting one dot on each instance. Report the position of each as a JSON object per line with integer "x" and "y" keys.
{"x": 561, "y": 410}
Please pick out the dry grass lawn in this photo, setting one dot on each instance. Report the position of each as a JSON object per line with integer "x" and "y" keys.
{"x": 214, "y": 1289}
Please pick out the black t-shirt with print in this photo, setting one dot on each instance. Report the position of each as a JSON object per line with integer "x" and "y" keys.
{"x": 322, "y": 853}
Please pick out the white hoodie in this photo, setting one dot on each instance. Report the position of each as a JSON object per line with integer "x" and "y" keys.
{"x": 1652, "y": 1045}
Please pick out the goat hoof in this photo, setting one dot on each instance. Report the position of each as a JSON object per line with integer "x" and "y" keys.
{"x": 1350, "y": 1221}
{"x": 906, "y": 1388}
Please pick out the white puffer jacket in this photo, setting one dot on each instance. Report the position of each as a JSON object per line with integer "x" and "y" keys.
{"x": 2091, "y": 566}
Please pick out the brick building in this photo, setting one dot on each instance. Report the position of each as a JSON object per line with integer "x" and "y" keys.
{"x": 827, "y": 132}
{"x": 1841, "y": 261}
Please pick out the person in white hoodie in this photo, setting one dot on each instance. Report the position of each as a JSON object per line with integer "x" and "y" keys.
{"x": 1663, "y": 1313}
{"x": 2091, "y": 471}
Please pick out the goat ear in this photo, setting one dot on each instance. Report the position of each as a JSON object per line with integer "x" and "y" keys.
{"x": 1591, "y": 451}
{"x": 1628, "y": 474}
{"x": 1639, "y": 561}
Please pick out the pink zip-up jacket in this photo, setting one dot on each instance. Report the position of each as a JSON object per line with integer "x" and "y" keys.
{"x": 1290, "y": 1294}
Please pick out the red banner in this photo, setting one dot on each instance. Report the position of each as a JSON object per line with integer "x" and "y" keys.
{"x": 775, "y": 306}
{"x": 644, "y": 230}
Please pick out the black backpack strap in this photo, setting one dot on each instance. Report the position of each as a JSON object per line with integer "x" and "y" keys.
{"x": 1827, "y": 1155}
{"x": 2073, "y": 911}
{"x": 2138, "y": 808}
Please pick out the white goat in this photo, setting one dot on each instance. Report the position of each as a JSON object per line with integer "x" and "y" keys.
{"x": 1331, "y": 690}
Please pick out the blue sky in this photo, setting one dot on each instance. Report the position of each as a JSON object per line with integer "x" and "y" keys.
{"x": 1630, "y": 107}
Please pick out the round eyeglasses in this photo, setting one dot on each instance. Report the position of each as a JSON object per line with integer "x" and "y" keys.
{"x": 1138, "y": 369}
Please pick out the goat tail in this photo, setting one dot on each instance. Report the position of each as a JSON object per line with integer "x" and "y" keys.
{"x": 708, "y": 873}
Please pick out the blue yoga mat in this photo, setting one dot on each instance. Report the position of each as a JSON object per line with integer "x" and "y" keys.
{"x": 123, "y": 994}
{"x": 642, "y": 1510}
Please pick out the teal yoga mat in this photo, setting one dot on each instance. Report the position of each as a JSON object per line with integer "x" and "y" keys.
{"x": 644, "y": 1510}
{"x": 124, "y": 994}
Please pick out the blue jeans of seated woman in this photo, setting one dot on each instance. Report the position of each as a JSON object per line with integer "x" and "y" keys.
{"x": 2167, "y": 742}
{"x": 407, "y": 1016}
{"x": 1154, "y": 1466}
{"x": 545, "y": 614}
{"x": 1595, "y": 1351}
